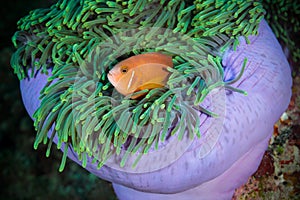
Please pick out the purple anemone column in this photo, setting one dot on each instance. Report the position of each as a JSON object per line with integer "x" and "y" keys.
{"x": 245, "y": 130}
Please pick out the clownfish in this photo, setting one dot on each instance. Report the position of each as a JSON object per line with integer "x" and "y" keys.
{"x": 140, "y": 72}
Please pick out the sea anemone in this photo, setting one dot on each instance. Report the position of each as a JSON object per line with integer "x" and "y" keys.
{"x": 203, "y": 134}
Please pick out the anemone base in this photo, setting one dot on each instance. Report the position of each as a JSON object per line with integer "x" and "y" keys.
{"x": 220, "y": 188}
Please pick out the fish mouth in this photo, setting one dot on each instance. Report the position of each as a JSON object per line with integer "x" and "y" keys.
{"x": 111, "y": 78}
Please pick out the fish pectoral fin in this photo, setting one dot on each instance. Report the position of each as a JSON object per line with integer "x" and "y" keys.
{"x": 144, "y": 87}
{"x": 150, "y": 86}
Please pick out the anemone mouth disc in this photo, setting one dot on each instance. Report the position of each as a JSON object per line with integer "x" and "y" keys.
{"x": 83, "y": 42}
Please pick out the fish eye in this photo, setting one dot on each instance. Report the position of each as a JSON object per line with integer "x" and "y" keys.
{"x": 124, "y": 69}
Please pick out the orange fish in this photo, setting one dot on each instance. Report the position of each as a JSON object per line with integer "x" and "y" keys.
{"x": 143, "y": 71}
